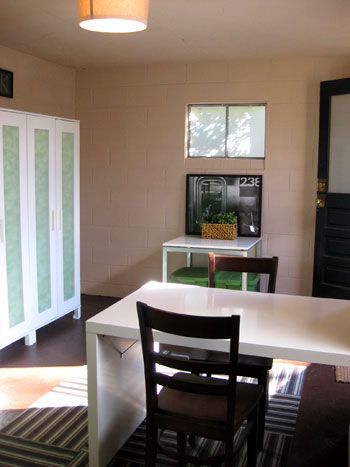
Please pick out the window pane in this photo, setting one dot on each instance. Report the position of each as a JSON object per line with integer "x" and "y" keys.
{"x": 11, "y": 154}
{"x": 68, "y": 214}
{"x": 207, "y": 131}
{"x": 42, "y": 215}
{"x": 339, "y": 160}
{"x": 246, "y": 131}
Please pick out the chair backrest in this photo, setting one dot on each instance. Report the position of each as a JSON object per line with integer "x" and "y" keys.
{"x": 243, "y": 264}
{"x": 188, "y": 326}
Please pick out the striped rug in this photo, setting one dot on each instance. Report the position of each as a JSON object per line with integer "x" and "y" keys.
{"x": 342, "y": 374}
{"x": 53, "y": 432}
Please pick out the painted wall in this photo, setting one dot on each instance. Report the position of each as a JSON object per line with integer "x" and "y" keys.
{"x": 39, "y": 86}
{"x": 133, "y": 167}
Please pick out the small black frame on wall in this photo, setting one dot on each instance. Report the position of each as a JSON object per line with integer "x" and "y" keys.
{"x": 224, "y": 193}
{"x": 6, "y": 83}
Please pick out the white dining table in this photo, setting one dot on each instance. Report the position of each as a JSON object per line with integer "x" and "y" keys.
{"x": 289, "y": 327}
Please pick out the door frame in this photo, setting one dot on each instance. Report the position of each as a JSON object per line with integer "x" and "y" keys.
{"x": 327, "y": 90}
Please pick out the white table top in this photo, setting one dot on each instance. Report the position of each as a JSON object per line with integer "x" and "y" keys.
{"x": 196, "y": 241}
{"x": 282, "y": 326}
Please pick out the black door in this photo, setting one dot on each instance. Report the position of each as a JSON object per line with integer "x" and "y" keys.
{"x": 332, "y": 239}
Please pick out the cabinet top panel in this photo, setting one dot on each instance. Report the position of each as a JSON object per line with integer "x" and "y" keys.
{"x": 38, "y": 115}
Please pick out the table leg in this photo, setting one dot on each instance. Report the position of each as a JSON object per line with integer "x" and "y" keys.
{"x": 244, "y": 275}
{"x": 116, "y": 395}
{"x": 259, "y": 248}
{"x": 189, "y": 260}
{"x": 165, "y": 266}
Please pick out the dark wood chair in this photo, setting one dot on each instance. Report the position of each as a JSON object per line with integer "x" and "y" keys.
{"x": 189, "y": 404}
{"x": 248, "y": 365}
{"x": 249, "y": 264}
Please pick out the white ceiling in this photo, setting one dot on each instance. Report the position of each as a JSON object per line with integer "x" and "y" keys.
{"x": 181, "y": 30}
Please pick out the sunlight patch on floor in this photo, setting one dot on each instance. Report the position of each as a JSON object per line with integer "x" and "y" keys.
{"x": 71, "y": 392}
{"x": 21, "y": 387}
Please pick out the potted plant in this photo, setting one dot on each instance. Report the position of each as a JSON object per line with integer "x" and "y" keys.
{"x": 222, "y": 225}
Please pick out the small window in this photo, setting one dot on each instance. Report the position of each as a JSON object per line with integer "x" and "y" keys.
{"x": 226, "y": 130}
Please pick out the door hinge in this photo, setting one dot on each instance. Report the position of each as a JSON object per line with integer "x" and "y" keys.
{"x": 321, "y": 185}
{"x": 321, "y": 201}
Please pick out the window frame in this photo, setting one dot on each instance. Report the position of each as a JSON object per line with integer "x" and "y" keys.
{"x": 227, "y": 106}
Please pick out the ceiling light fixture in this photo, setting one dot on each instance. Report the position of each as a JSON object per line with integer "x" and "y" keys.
{"x": 113, "y": 15}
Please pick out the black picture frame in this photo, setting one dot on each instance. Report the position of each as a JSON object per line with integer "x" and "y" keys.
{"x": 6, "y": 83}
{"x": 224, "y": 193}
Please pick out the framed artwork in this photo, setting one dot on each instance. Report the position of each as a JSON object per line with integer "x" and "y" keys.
{"x": 224, "y": 193}
{"x": 6, "y": 83}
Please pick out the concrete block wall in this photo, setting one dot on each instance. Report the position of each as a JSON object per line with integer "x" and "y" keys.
{"x": 39, "y": 86}
{"x": 133, "y": 162}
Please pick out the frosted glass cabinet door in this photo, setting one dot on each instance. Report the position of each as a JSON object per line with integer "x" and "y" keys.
{"x": 15, "y": 318}
{"x": 67, "y": 182}
{"x": 42, "y": 219}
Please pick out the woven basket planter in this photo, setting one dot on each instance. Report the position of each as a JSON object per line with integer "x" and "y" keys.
{"x": 220, "y": 231}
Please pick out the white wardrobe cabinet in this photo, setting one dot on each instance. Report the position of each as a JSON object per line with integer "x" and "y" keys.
{"x": 39, "y": 222}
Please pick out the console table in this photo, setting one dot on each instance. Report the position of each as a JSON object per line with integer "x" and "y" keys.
{"x": 195, "y": 244}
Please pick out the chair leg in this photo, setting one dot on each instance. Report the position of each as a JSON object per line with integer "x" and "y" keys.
{"x": 181, "y": 447}
{"x": 151, "y": 446}
{"x": 229, "y": 453}
{"x": 252, "y": 451}
{"x": 192, "y": 440}
{"x": 263, "y": 406}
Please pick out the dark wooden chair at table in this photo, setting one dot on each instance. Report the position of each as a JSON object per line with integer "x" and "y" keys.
{"x": 190, "y": 404}
{"x": 247, "y": 365}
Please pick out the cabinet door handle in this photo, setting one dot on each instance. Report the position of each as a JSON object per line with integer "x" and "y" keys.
{"x": 52, "y": 220}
